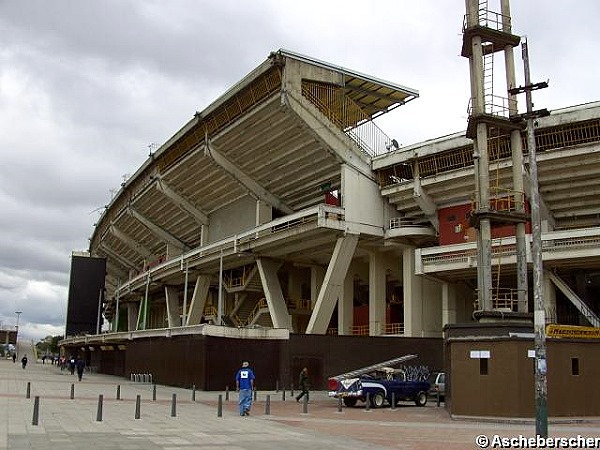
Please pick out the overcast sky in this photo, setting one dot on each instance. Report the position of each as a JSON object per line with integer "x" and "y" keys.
{"x": 87, "y": 86}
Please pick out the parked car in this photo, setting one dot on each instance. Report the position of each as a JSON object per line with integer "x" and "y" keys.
{"x": 380, "y": 384}
{"x": 437, "y": 380}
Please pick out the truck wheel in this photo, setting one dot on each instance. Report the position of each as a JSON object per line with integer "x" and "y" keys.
{"x": 421, "y": 399}
{"x": 349, "y": 401}
{"x": 377, "y": 400}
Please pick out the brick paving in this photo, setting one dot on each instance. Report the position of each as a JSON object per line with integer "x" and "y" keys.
{"x": 65, "y": 423}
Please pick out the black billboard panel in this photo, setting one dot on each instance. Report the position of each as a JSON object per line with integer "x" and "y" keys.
{"x": 86, "y": 291}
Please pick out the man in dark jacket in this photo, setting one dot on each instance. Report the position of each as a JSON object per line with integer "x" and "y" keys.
{"x": 303, "y": 384}
{"x": 80, "y": 366}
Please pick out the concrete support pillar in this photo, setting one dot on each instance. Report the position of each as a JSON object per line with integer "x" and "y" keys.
{"x": 449, "y": 306}
{"x": 264, "y": 212}
{"x": 132, "y": 316}
{"x": 485, "y": 228}
{"x": 413, "y": 297}
{"x": 203, "y": 235}
{"x": 346, "y": 306}
{"x": 172, "y": 301}
{"x": 198, "y": 302}
{"x": 332, "y": 284}
{"x": 273, "y": 293}
{"x": 377, "y": 294}
{"x": 317, "y": 275}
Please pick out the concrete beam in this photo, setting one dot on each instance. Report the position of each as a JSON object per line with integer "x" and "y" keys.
{"x": 256, "y": 189}
{"x": 376, "y": 293}
{"x": 423, "y": 200}
{"x": 119, "y": 258}
{"x": 344, "y": 148}
{"x": 181, "y": 202}
{"x": 273, "y": 293}
{"x": 135, "y": 246}
{"x": 161, "y": 233}
{"x": 333, "y": 284}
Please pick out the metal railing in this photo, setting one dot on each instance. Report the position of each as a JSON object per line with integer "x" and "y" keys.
{"x": 503, "y": 299}
{"x": 489, "y": 19}
{"x": 302, "y": 304}
{"x": 363, "y": 330}
{"x": 394, "y": 328}
{"x": 318, "y": 215}
{"x": 332, "y": 101}
{"x": 400, "y": 222}
{"x": 494, "y": 105}
{"x": 553, "y": 243}
{"x": 502, "y": 200}
{"x": 260, "y": 305}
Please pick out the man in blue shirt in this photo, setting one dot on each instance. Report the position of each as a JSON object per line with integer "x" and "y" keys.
{"x": 244, "y": 382}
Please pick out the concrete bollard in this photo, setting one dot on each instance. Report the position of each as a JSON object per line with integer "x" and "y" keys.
{"x": 36, "y": 410}
{"x": 138, "y": 403}
{"x": 220, "y": 406}
{"x": 153, "y": 392}
{"x": 118, "y": 392}
{"x": 226, "y": 393}
{"x": 174, "y": 406}
{"x": 292, "y": 389}
{"x": 283, "y": 394}
{"x": 368, "y": 402}
{"x": 438, "y": 398}
{"x": 305, "y": 405}
{"x": 393, "y": 400}
{"x": 276, "y": 385}
{"x": 268, "y": 405}
{"x": 99, "y": 411}
{"x": 193, "y": 392}
{"x": 72, "y": 391}
{"x": 339, "y": 404}
{"x": 28, "y": 393}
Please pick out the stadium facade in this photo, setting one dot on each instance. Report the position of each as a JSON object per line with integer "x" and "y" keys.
{"x": 281, "y": 223}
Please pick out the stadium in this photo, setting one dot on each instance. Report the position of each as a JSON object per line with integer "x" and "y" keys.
{"x": 282, "y": 225}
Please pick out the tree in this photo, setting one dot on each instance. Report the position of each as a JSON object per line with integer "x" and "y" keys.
{"x": 48, "y": 345}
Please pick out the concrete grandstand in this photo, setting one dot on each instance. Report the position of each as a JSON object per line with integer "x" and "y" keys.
{"x": 285, "y": 182}
{"x": 282, "y": 209}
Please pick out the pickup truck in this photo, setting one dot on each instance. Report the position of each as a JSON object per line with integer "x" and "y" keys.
{"x": 380, "y": 383}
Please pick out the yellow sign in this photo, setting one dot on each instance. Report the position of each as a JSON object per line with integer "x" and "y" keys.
{"x": 571, "y": 331}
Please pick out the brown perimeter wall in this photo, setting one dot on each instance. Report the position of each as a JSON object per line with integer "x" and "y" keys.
{"x": 210, "y": 363}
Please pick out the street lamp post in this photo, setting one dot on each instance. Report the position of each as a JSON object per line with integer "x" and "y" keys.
{"x": 18, "y": 313}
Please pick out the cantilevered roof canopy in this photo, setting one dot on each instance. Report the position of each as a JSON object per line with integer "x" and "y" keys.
{"x": 278, "y": 135}
{"x": 373, "y": 95}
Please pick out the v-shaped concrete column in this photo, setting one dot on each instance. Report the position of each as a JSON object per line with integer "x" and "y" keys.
{"x": 172, "y": 300}
{"x": 333, "y": 284}
{"x": 273, "y": 293}
{"x": 198, "y": 300}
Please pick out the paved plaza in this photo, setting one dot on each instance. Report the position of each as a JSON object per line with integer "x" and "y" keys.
{"x": 193, "y": 421}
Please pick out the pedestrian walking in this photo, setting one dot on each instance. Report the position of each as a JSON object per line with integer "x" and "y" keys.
{"x": 14, "y": 357}
{"x": 80, "y": 366}
{"x": 244, "y": 383}
{"x": 303, "y": 384}
{"x": 24, "y": 361}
